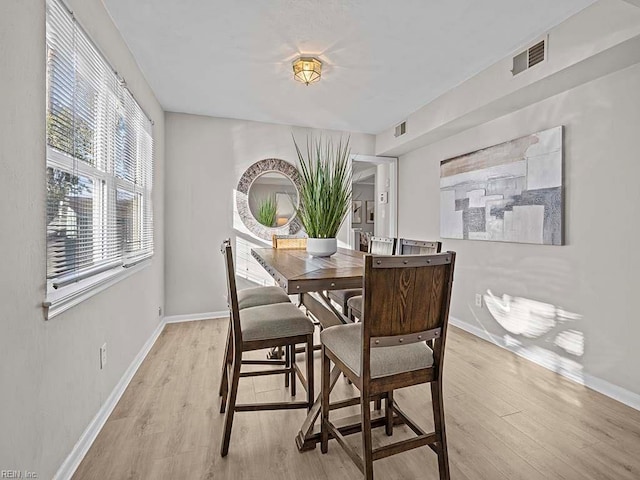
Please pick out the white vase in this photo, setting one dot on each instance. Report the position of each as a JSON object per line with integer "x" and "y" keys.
{"x": 322, "y": 247}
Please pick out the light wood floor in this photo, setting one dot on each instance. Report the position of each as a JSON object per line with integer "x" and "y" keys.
{"x": 507, "y": 419}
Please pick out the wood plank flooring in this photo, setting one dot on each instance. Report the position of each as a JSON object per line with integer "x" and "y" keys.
{"x": 507, "y": 419}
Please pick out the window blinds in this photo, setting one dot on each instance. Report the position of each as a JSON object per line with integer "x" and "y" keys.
{"x": 99, "y": 160}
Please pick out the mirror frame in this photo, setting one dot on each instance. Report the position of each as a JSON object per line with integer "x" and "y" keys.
{"x": 274, "y": 165}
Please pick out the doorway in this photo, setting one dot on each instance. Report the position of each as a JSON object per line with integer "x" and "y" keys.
{"x": 374, "y": 202}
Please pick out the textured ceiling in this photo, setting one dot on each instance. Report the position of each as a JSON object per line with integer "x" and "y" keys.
{"x": 382, "y": 59}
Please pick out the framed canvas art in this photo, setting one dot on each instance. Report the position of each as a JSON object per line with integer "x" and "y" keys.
{"x": 511, "y": 192}
{"x": 356, "y": 211}
{"x": 371, "y": 209}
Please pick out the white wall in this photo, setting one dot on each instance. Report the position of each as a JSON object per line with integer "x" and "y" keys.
{"x": 602, "y": 38}
{"x": 205, "y": 159}
{"x": 49, "y": 370}
{"x": 596, "y": 274}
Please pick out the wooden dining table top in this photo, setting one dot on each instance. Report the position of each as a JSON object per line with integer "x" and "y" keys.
{"x": 296, "y": 271}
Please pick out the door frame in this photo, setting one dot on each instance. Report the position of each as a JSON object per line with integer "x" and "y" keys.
{"x": 392, "y": 195}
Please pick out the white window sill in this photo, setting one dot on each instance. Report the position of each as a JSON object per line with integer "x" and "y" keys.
{"x": 64, "y": 298}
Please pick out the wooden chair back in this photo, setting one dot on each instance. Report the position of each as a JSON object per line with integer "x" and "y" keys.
{"x": 382, "y": 246}
{"x": 418, "y": 247}
{"x": 232, "y": 291}
{"x": 406, "y": 300}
{"x": 289, "y": 242}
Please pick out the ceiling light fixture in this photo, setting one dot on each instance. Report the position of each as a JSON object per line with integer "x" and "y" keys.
{"x": 307, "y": 70}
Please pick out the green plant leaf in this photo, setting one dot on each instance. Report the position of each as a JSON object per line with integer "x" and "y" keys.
{"x": 325, "y": 186}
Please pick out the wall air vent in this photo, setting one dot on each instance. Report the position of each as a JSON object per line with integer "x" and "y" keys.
{"x": 530, "y": 57}
{"x": 401, "y": 129}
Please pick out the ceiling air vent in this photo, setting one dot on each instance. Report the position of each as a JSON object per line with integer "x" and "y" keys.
{"x": 530, "y": 57}
{"x": 401, "y": 129}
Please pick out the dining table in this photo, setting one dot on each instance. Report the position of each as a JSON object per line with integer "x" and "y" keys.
{"x": 297, "y": 272}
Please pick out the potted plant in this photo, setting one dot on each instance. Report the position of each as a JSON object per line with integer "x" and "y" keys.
{"x": 325, "y": 192}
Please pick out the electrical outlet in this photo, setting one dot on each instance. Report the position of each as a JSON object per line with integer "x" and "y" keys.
{"x": 103, "y": 356}
{"x": 159, "y": 311}
{"x": 478, "y": 300}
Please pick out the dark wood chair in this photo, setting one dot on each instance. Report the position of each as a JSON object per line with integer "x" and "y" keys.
{"x": 377, "y": 246}
{"x": 382, "y": 246}
{"x": 257, "y": 328}
{"x": 404, "y": 247}
{"x": 406, "y": 303}
{"x": 418, "y": 247}
{"x": 255, "y": 297}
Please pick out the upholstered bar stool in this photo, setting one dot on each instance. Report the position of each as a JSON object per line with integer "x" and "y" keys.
{"x": 256, "y": 297}
{"x": 406, "y": 303}
{"x": 403, "y": 247}
{"x": 257, "y": 328}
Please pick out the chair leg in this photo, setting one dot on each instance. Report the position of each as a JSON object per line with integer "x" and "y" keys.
{"x": 326, "y": 387}
{"x": 231, "y": 405}
{"x": 438, "y": 420}
{"x": 287, "y": 364}
{"x": 388, "y": 407}
{"x": 292, "y": 360}
{"x": 378, "y": 404}
{"x": 224, "y": 379}
{"x": 367, "y": 455}
{"x": 310, "y": 380}
{"x": 224, "y": 389}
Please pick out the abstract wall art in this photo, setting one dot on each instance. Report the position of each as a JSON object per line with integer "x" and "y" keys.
{"x": 511, "y": 192}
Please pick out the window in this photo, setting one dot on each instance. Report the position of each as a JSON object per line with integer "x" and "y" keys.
{"x": 99, "y": 165}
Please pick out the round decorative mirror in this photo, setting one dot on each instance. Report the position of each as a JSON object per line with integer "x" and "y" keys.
{"x": 267, "y": 198}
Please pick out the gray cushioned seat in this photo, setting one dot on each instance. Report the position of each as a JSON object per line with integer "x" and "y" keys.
{"x": 253, "y": 297}
{"x": 355, "y": 304}
{"x": 273, "y": 321}
{"x": 345, "y": 341}
{"x": 341, "y": 296}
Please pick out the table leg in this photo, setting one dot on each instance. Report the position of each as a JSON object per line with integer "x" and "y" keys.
{"x": 322, "y": 309}
{"x": 340, "y": 315}
{"x": 319, "y": 305}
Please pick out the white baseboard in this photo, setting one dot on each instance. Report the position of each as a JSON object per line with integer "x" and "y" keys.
{"x": 620, "y": 394}
{"x": 192, "y": 317}
{"x": 71, "y": 463}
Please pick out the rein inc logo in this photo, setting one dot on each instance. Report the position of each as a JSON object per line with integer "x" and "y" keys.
{"x": 17, "y": 474}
